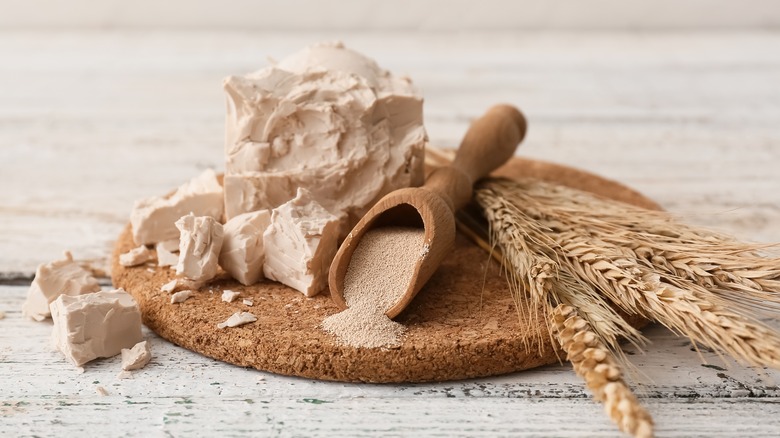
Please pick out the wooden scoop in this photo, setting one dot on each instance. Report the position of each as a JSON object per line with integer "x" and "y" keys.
{"x": 490, "y": 141}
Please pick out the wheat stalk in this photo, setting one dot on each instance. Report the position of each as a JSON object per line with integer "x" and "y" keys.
{"x": 610, "y": 327}
{"x": 534, "y": 276}
{"x": 614, "y": 248}
{"x": 528, "y": 270}
{"x": 598, "y": 367}
{"x": 574, "y": 253}
{"x": 712, "y": 260}
{"x": 680, "y": 304}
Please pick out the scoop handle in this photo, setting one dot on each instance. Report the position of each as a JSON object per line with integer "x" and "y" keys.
{"x": 490, "y": 141}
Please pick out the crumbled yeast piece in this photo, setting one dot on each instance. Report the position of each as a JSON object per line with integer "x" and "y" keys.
{"x": 170, "y": 286}
{"x": 237, "y": 319}
{"x": 136, "y": 256}
{"x": 153, "y": 218}
{"x": 95, "y": 325}
{"x": 137, "y": 357}
{"x": 167, "y": 252}
{"x": 199, "y": 246}
{"x": 300, "y": 243}
{"x": 242, "y": 254}
{"x": 179, "y": 284}
{"x": 54, "y": 279}
{"x": 247, "y": 302}
{"x": 180, "y": 297}
{"x": 229, "y": 296}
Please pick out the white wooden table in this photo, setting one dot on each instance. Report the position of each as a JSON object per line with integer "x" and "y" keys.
{"x": 90, "y": 121}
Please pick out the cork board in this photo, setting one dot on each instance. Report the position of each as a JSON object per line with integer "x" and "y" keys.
{"x": 463, "y": 324}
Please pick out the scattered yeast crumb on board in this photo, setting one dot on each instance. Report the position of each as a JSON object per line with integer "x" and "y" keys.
{"x": 169, "y": 286}
{"x": 229, "y": 296}
{"x": 182, "y": 296}
{"x": 101, "y": 391}
{"x": 378, "y": 275}
{"x": 179, "y": 284}
{"x": 237, "y": 319}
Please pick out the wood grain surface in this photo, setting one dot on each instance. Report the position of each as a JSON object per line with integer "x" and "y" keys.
{"x": 427, "y": 15}
{"x": 91, "y": 121}
{"x": 181, "y": 393}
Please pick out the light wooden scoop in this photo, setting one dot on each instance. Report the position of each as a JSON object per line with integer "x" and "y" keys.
{"x": 490, "y": 141}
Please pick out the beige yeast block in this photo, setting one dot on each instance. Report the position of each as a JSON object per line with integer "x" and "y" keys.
{"x": 90, "y": 326}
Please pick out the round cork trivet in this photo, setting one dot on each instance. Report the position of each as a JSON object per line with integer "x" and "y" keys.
{"x": 463, "y": 323}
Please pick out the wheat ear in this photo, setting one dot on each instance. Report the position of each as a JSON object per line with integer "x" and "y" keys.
{"x": 712, "y": 260}
{"x": 681, "y": 305}
{"x": 598, "y": 367}
{"x": 597, "y": 247}
{"x": 529, "y": 272}
{"x": 530, "y": 259}
{"x": 596, "y": 310}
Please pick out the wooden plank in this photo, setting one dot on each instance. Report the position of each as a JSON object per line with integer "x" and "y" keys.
{"x": 181, "y": 392}
{"x": 93, "y": 121}
{"x": 257, "y": 415}
{"x": 430, "y": 15}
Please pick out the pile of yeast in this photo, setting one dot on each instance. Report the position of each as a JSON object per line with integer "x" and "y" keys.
{"x": 311, "y": 144}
